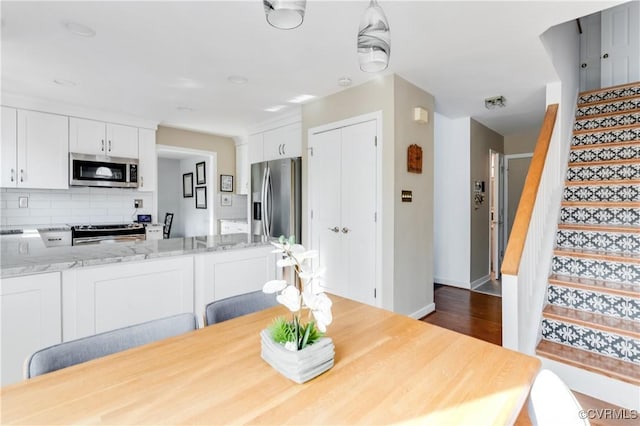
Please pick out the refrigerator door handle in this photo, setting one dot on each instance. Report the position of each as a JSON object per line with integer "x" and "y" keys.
{"x": 263, "y": 201}
{"x": 269, "y": 204}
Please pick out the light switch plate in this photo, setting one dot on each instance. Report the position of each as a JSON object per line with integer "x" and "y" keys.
{"x": 23, "y": 202}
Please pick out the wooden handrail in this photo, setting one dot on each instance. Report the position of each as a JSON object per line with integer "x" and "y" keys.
{"x": 518, "y": 236}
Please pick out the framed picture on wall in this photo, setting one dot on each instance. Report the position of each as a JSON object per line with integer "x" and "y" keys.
{"x": 187, "y": 185}
{"x": 201, "y": 197}
{"x": 226, "y": 183}
{"x": 201, "y": 175}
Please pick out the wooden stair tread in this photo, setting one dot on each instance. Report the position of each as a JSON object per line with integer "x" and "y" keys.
{"x": 601, "y": 286}
{"x": 604, "y": 163}
{"x": 605, "y": 204}
{"x": 601, "y": 182}
{"x": 604, "y": 145}
{"x": 601, "y": 322}
{"x": 608, "y": 89}
{"x": 605, "y": 129}
{"x": 608, "y": 101}
{"x": 627, "y": 229}
{"x": 598, "y": 255}
{"x": 610, "y": 367}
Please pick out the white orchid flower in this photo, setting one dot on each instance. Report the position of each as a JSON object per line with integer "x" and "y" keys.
{"x": 287, "y": 261}
{"x": 312, "y": 275}
{"x": 274, "y": 286}
{"x": 320, "y": 306}
{"x": 290, "y": 297}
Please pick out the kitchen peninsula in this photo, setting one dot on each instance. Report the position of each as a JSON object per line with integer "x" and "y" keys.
{"x": 56, "y": 294}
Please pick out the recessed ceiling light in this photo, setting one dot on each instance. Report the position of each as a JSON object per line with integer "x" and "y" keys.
{"x": 344, "y": 81}
{"x": 301, "y": 98}
{"x": 79, "y": 29}
{"x": 238, "y": 79}
{"x": 65, "y": 83}
{"x": 185, "y": 109}
{"x": 275, "y": 108}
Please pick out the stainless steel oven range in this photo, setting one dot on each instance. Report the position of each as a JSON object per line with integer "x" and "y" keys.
{"x": 100, "y": 234}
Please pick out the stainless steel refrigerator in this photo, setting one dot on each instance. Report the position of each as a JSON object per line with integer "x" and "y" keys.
{"x": 276, "y": 198}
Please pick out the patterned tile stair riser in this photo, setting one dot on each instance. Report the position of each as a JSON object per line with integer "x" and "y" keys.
{"x": 611, "y": 94}
{"x": 592, "y": 340}
{"x": 608, "y": 108}
{"x": 608, "y": 193}
{"x": 625, "y": 119}
{"x": 621, "y": 272}
{"x": 611, "y": 242}
{"x": 606, "y": 136}
{"x": 587, "y": 172}
{"x": 599, "y": 215}
{"x": 628, "y": 152}
{"x": 617, "y": 306}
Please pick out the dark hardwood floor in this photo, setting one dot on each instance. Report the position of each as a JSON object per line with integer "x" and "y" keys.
{"x": 480, "y": 315}
{"x": 474, "y": 314}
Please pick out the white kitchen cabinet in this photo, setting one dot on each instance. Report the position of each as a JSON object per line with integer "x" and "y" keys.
{"x": 147, "y": 160}
{"x": 256, "y": 148}
{"x": 243, "y": 169}
{"x": 219, "y": 275}
{"x": 98, "y": 299}
{"x": 9, "y": 147}
{"x": 233, "y": 227}
{"x": 283, "y": 142}
{"x": 31, "y": 319}
{"x": 39, "y": 156}
{"x": 100, "y": 138}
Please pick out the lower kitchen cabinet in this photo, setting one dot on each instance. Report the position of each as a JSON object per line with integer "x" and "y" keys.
{"x": 98, "y": 299}
{"x": 224, "y": 274}
{"x": 31, "y": 319}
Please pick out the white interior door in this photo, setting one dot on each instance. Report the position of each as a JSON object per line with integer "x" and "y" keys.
{"x": 590, "y": 52}
{"x": 358, "y": 227}
{"x": 324, "y": 201}
{"x": 620, "y": 44}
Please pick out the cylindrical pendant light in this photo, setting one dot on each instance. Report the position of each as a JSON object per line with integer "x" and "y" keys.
{"x": 374, "y": 39}
{"x": 284, "y": 14}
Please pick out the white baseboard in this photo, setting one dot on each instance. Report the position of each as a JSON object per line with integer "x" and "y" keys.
{"x": 453, "y": 283}
{"x": 613, "y": 391}
{"x": 480, "y": 281}
{"x": 423, "y": 311}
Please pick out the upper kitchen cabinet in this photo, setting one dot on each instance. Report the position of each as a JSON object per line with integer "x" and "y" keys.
{"x": 100, "y": 138}
{"x": 242, "y": 169}
{"x": 283, "y": 142}
{"x": 147, "y": 160}
{"x": 256, "y": 148}
{"x": 34, "y": 150}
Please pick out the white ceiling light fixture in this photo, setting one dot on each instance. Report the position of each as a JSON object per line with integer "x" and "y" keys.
{"x": 495, "y": 102}
{"x": 185, "y": 109}
{"x": 65, "y": 83}
{"x": 374, "y": 39}
{"x": 78, "y": 29}
{"x": 300, "y": 99}
{"x": 275, "y": 108}
{"x": 344, "y": 81}
{"x": 238, "y": 79}
{"x": 284, "y": 14}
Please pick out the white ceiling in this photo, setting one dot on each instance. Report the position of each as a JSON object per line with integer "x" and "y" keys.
{"x": 149, "y": 58}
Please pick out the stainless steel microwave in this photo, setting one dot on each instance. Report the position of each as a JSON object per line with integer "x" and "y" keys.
{"x": 97, "y": 170}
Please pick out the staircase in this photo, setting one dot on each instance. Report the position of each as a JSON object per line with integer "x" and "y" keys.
{"x": 592, "y": 317}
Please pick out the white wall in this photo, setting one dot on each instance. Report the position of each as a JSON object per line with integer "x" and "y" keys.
{"x": 77, "y": 205}
{"x": 452, "y": 205}
{"x": 196, "y": 221}
{"x": 237, "y": 209}
{"x": 170, "y": 194}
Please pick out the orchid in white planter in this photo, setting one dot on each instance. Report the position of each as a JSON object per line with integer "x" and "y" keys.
{"x": 304, "y": 293}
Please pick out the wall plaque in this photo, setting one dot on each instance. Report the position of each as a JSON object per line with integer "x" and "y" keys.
{"x": 414, "y": 159}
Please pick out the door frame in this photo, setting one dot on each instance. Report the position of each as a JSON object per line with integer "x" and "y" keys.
{"x": 496, "y": 196}
{"x": 505, "y": 197}
{"x": 377, "y": 116}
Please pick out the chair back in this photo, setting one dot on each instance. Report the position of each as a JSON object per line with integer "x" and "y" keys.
{"x": 168, "y": 220}
{"x": 81, "y": 350}
{"x": 551, "y": 402}
{"x": 235, "y": 306}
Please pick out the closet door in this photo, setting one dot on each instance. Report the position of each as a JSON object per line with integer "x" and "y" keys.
{"x": 324, "y": 199}
{"x": 358, "y": 202}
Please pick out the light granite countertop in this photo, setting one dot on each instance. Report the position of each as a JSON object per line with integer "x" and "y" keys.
{"x": 29, "y": 256}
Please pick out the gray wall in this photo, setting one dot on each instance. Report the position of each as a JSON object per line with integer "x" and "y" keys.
{"x": 170, "y": 194}
{"x": 482, "y": 139}
{"x": 521, "y": 142}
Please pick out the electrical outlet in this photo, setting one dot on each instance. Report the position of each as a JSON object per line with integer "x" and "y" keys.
{"x": 137, "y": 203}
{"x": 23, "y": 202}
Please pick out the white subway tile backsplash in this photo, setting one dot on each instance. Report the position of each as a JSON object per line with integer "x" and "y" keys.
{"x": 16, "y": 212}
{"x": 28, "y": 220}
{"x": 39, "y": 204}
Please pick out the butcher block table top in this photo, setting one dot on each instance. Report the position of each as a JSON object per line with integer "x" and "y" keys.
{"x": 389, "y": 369}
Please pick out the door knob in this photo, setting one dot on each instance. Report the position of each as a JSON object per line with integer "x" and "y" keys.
{"x": 345, "y": 230}
{"x": 334, "y": 229}
{"x": 605, "y": 56}
{"x": 583, "y": 65}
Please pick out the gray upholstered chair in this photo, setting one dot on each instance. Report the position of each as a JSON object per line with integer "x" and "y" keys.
{"x": 81, "y": 350}
{"x": 235, "y": 306}
{"x": 551, "y": 402}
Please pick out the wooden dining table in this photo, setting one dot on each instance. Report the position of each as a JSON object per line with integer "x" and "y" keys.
{"x": 389, "y": 369}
